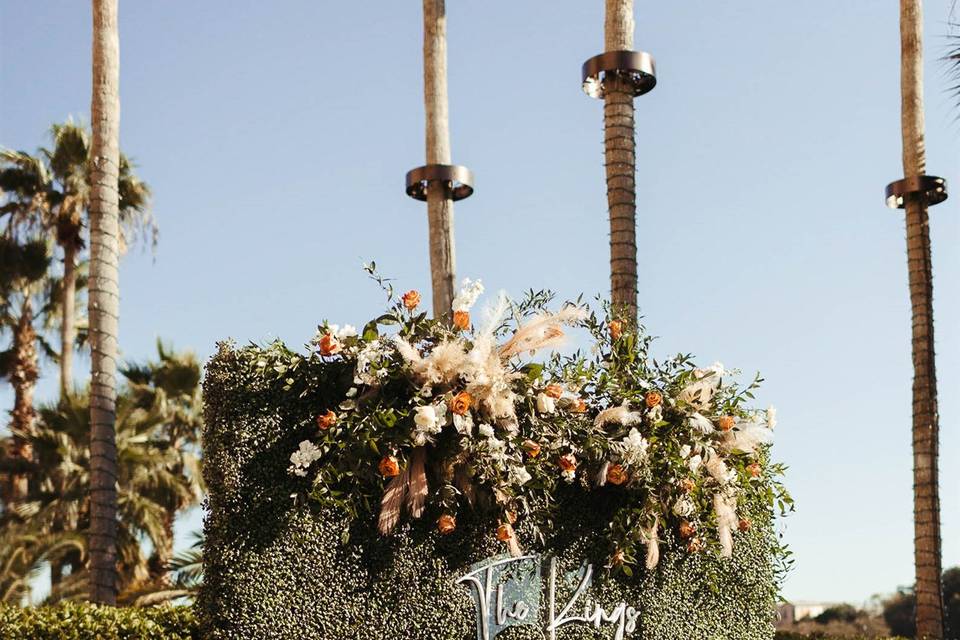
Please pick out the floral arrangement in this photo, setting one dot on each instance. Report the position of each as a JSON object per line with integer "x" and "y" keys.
{"x": 456, "y": 414}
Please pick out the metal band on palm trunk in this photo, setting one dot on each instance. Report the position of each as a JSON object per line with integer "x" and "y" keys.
{"x": 457, "y": 181}
{"x": 932, "y": 189}
{"x": 637, "y": 66}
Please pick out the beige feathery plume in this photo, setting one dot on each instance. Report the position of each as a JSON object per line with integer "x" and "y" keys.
{"x": 746, "y": 437}
{"x": 602, "y": 474}
{"x": 725, "y": 508}
{"x": 716, "y": 467}
{"x": 407, "y": 350}
{"x": 515, "y": 550}
{"x": 417, "y": 493}
{"x": 653, "y": 546}
{"x": 392, "y": 502}
{"x": 543, "y": 331}
{"x": 618, "y": 415}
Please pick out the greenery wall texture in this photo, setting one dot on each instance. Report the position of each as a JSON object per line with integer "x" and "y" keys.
{"x": 278, "y": 567}
{"x": 83, "y": 621}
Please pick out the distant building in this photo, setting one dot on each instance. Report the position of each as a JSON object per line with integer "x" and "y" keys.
{"x": 790, "y": 612}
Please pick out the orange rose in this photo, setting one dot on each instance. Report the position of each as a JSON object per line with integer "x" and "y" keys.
{"x": 579, "y": 407}
{"x": 461, "y": 320}
{"x": 687, "y": 485}
{"x": 616, "y": 474}
{"x": 461, "y": 403}
{"x": 554, "y": 391}
{"x": 411, "y": 299}
{"x": 726, "y": 423}
{"x": 653, "y": 399}
{"x": 329, "y": 345}
{"x": 695, "y": 546}
{"x": 447, "y": 524}
{"x": 687, "y": 530}
{"x": 505, "y": 532}
{"x": 616, "y": 329}
{"x": 389, "y": 467}
{"x": 326, "y": 420}
{"x": 568, "y": 462}
{"x": 744, "y": 524}
{"x": 754, "y": 470}
{"x": 532, "y": 448}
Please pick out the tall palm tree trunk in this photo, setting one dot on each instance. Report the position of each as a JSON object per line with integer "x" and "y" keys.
{"x": 621, "y": 164}
{"x": 104, "y": 299}
{"x": 439, "y": 206}
{"x": 926, "y": 500}
{"x": 24, "y": 381}
{"x": 68, "y": 328}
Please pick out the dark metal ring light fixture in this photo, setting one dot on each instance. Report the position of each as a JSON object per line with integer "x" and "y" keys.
{"x": 456, "y": 180}
{"x": 638, "y": 66}
{"x": 932, "y": 189}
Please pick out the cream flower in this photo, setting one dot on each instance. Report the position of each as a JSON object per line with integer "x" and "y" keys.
{"x": 303, "y": 457}
{"x": 546, "y": 404}
{"x": 633, "y": 448}
{"x": 486, "y": 431}
{"x": 684, "y": 508}
{"x": 771, "y": 417}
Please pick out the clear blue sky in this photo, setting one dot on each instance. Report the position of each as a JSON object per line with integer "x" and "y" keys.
{"x": 276, "y": 137}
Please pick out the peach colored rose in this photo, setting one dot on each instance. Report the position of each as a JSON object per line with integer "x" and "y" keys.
{"x": 326, "y": 420}
{"x": 687, "y": 529}
{"x": 653, "y": 399}
{"x": 532, "y": 448}
{"x": 567, "y": 462}
{"x": 461, "y": 320}
{"x": 726, "y": 423}
{"x": 580, "y": 406}
{"x": 447, "y": 524}
{"x": 687, "y": 485}
{"x": 461, "y": 403}
{"x": 505, "y": 532}
{"x": 744, "y": 524}
{"x": 695, "y": 545}
{"x": 754, "y": 470}
{"x": 329, "y": 345}
{"x": 617, "y": 558}
{"x": 554, "y": 391}
{"x": 616, "y": 474}
{"x": 616, "y": 329}
{"x": 389, "y": 467}
{"x": 411, "y": 299}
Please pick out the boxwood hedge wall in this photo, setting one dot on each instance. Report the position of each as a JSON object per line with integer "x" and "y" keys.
{"x": 276, "y": 567}
{"x": 84, "y": 621}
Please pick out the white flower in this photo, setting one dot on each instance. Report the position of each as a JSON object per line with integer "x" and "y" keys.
{"x": 569, "y": 475}
{"x": 469, "y": 292}
{"x": 634, "y": 448}
{"x": 347, "y": 331}
{"x": 684, "y": 508}
{"x": 304, "y": 457}
{"x": 463, "y": 424}
{"x": 655, "y": 414}
{"x": 519, "y": 474}
{"x": 486, "y": 431}
{"x": 771, "y": 417}
{"x": 684, "y": 451}
{"x": 694, "y": 463}
{"x": 426, "y": 419}
{"x": 546, "y": 404}
{"x": 715, "y": 369}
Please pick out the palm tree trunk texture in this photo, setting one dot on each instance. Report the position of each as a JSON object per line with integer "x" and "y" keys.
{"x": 439, "y": 207}
{"x": 68, "y": 329}
{"x": 24, "y": 379}
{"x": 104, "y": 299}
{"x": 621, "y": 165}
{"x": 926, "y": 500}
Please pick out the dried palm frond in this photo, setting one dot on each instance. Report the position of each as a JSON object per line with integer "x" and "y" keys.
{"x": 618, "y": 415}
{"x": 543, "y": 331}
{"x": 392, "y": 502}
{"x": 417, "y": 494}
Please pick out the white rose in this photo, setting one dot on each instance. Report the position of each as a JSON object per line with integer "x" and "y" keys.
{"x": 347, "y": 331}
{"x": 546, "y": 404}
{"x": 486, "y": 431}
{"x": 519, "y": 475}
{"x": 683, "y": 508}
{"x": 694, "y": 463}
{"x": 426, "y": 418}
{"x": 684, "y": 451}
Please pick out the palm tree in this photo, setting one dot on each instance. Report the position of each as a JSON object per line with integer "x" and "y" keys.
{"x": 103, "y": 299}
{"x": 620, "y": 159}
{"x": 152, "y": 475}
{"x": 439, "y": 203}
{"x": 60, "y": 176}
{"x": 927, "y": 548}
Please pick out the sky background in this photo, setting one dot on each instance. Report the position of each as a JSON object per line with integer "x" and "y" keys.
{"x": 276, "y": 137}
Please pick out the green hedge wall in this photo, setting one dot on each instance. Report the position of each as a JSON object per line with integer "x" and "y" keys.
{"x": 276, "y": 567}
{"x": 84, "y": 621}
